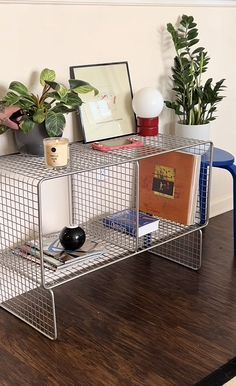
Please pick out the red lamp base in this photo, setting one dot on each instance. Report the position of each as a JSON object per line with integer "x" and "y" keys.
{"x": 147, "y": 127}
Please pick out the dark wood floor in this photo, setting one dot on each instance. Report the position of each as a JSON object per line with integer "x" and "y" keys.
{"x": 143, "y": 321}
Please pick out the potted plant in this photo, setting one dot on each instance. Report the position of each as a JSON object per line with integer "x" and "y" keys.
{"x": 195, "y": 101}
{"x": 43, "y": 115}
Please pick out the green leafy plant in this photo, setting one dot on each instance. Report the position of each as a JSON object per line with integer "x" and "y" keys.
{"x": 55, "y": 101}
{"x": 195, "y": 102}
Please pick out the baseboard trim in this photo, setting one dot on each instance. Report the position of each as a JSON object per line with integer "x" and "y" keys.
{"x": 221, "y": 206}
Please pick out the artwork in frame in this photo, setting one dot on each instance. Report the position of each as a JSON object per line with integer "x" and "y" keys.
{"x": 109, "y": 114}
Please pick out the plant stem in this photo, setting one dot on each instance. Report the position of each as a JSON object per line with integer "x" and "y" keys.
{"x": 46, "y": 88}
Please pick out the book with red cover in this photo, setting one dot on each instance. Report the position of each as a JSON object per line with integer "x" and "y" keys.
{"x": 169, "y": 184}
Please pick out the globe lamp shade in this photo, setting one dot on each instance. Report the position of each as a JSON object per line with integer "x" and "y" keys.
{"x": 147, "y": 104}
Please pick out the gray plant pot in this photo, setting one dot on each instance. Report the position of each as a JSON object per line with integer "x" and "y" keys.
{"x": 31, "y": 143}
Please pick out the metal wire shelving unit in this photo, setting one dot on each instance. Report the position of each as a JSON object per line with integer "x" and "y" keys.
{"x": 98, "y": 184}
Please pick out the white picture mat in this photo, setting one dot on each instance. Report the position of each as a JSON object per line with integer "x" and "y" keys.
{"x": 110, "y": 113}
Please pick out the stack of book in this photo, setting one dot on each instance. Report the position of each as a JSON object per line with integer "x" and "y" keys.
{"x": 54, "y": 256}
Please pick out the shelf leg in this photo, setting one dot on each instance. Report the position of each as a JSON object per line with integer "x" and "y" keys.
{"x": 185, "y": 250}
{"x": 35, "y": 306}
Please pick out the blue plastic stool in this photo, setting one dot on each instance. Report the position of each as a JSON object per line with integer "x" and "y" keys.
{"x": 223, "y": 160}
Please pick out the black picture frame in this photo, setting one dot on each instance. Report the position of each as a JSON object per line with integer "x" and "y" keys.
{"x": 108, "y": 114}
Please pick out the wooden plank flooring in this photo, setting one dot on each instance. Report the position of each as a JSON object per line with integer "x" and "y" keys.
{"x": 143, "y": 321}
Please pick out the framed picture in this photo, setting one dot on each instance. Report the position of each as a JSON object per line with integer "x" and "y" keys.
{"x": 108, "y": 114}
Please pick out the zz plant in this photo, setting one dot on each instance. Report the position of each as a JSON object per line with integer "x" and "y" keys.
{"x": 50, "y": 106}
{"x": 195, "y": 101}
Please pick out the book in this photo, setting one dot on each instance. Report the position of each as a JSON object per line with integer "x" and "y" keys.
{"x": 34, "y": 258}
{"x": 53, "y": 247}
{"x": 60, "y": 258}
{"x": 50, "y": 244}
{"x": 169, "y": 186}
{"x": 126, "y": 221}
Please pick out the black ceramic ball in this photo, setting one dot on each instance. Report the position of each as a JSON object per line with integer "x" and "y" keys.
{"x": 72, "y": 237}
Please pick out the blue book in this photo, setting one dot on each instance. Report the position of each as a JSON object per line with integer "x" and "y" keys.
{"x": 126, "y": 221}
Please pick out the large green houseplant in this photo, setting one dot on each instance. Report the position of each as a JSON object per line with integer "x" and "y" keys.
{"x": 195, "y": 100}
{"x": 48, "y": 108}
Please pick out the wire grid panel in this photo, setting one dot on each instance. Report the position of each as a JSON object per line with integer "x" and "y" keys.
{"x": 19, "y": 222}
{"x": 20, "y": 279}
{"x": 18, "y": 208}
{"x": 202, "y": 194}
{"x": 185, "y": 250}
{"x": 100, "y": 193}
{"x": 35, "y": 307}
{"x": 84, "y": 158}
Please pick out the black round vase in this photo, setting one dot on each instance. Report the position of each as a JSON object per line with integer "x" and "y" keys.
{"x": 31, "y": 143}
{"x": 72, "y": 237}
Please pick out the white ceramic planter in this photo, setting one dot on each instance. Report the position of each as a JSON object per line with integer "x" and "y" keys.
{"x": 201, "y": 132}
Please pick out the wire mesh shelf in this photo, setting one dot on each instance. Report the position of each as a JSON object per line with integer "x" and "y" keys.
{"x": 84, "y": 158}
{"x": 28, "y": 272}
{"x": 98, "y": 185}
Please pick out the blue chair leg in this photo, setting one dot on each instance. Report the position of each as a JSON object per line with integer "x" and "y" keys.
{"x": 232, "y": 170}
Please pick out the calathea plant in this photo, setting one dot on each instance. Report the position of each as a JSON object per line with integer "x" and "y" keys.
{"x": 49, "y": 107}
{"x": 195, "y": 101}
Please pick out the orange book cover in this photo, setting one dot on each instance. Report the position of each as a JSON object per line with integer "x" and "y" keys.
{"x": 167, "y": 185}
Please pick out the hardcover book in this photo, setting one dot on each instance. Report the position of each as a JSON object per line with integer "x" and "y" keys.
{"x": 126, "y": 221}
{"x": 169, "y": 186}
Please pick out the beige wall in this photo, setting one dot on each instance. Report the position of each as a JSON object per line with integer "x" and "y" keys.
{"x": 57, "y": 36}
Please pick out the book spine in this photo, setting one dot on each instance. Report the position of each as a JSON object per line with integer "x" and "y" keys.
{"x": 33, "y": 259}
{"x": 36, "y": 253}
{"x": 125, "y": 228}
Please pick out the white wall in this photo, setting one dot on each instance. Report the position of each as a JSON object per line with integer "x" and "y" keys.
{"x": 57, "y": 36}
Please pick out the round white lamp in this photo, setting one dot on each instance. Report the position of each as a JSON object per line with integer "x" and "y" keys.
{"x": 147, "y": 104}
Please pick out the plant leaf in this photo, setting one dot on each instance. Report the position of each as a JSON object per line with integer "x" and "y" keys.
{"x": 11, "y": 98}
{"x": 73, "y": 99}
{"x": 19, "y": 88}
{"x": 53, "y": 85}
{"x": 63, "y": 91}
{"x": 61, "y": 108}
{"x": 82, "y": 87}
{"x": 192, "y": 34}
{"x": 76, "y": 83}
{"x": 27, "y": 125}
{"x": 199, "y": 49}
{"x": 47, "y": 75}
{"x": 192, "y": 42}
{"x": 55, "y": 123}
{"x": 85, "y": 89}
{"x": 39, "y": 115}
